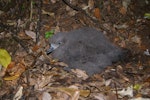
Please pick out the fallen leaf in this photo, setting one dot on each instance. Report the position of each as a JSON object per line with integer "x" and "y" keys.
{"x": 126, "y": 3}
{"x": 35, "y": 48}
{"x": 123, "y": 26}
{"x": 5, "y": 58}
{"x": 91, "y": 4}
{"x": 46, "y": 96}
{"x": 53, "y": 1}
{"x": 136, "y": 39}
{"x": 126, "y": 92}
{"x": 80, "y": 73}
{"x": 120, "y": 73}
{"x": 11, "y": 22}
{"x": 18, "y": 95}
{"x": 22, "y": 35}
{"x": 71, "y": 91}
{"x": 46, "y": 1}
{"x": 48, "y": 13}
{"x": 100, "y": 96}
{"x": 62, "y": 96}
{"x": 137, "y": 87}
{"x": 109, "y": 96}
{"x": 10, "y": 78}
{"x": 16, "y": 69}
{"x": 140, "y": 98}
{"x": 122, "y": 10}
{"x": 2, "y": 72}
{"x": 42, "y": 81}
{"x": 147, "y": 15}
{"x": 31, "y": 34}
{"x": 11, "y": 65}
{"x": 76, "y": 95}
{"x": 60, "y": 64}
{"x": 97, "y": 13}
{"x": 84, "y": 93}
{"x": 107, "y": 82}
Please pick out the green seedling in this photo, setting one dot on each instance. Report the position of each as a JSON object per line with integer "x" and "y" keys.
{"x": 49, "y": 34}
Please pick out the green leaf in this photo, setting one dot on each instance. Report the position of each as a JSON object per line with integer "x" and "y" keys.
{"x": 5, "y": 58}
{"x": 147, "y": 15}
{"x": 49, "y": 34}
{"x": 137, "y": 87}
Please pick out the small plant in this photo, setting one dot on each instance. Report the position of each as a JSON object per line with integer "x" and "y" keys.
{"x": 49, "y": 34}
{"x": 147, "y": 15}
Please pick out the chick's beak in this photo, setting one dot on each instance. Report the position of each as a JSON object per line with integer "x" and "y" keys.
{"x": 52, "y": 48}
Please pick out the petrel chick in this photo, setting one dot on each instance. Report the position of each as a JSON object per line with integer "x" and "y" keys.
{"x": 86, "y": 49}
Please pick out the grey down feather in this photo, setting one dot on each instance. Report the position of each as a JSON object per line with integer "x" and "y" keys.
{"x": 85, "y": 48}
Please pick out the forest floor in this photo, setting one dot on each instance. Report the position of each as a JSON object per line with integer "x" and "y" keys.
{"x": 33, "y": 75}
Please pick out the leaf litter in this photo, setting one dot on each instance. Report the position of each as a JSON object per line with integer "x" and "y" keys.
{"x": 41, "y": 77}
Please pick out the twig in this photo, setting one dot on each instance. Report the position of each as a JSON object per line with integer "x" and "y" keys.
{"x": 21, "y": 43}
{"x": 116, "y": 91}
{"x": 31, "y": 11}
{"x": 39, "y": 20}
{"x": 97, "y": 22}
{"x": 79, "y": 9}
{"x": 14, "y": 30}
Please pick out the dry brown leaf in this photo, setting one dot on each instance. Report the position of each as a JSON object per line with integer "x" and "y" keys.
{"x": 21, "y": 68}
{"x": 123, "y": 26}
{"x": 57, "y": 29}
{"x": 61, "y": 96}
{"x": 10, "y": 78}
{"x": 3, "y": 92}
{"x": 48, "y": 13}
{"x": 123, "y": 11}
{"x": 19, "y": 94}
{"x": 11, "y": 65}
{"x": 46, "y": 96}
{"x": 111, "y": 96}
{"x": 80, "y": 73}
{"x": 122, "y": 44}
{"x": 35, "y": 48}
{"x": 15, "y": 70}
{"x": 85, "y": 93}
{"x": 42, "y": 81}
{"x": 76, "y": 95}
{"x": 97, "y": 13}
{"x": 53, "y": 1}
{"x": 108, "y": 82}
{"x": 126, "y": 3}
{"x": 22, "y": 35}
{"x": 71, "y": 91}
{"x": 120, "y": 73}
{"x": 45, "y": 1}
{"x": 2, "y": 71}
{"x": 136, "y": 39}
{"x": 100, "y": 96}
{"x": 91, "y": 4}
{"x": 61, "y": 64}
{"x": 31, "y": 34}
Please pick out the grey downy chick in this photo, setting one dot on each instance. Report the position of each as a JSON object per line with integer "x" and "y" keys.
{"x": 86, "y": 49}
